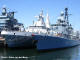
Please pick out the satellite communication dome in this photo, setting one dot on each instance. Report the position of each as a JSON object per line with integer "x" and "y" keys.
{"x": 62, "y": 13}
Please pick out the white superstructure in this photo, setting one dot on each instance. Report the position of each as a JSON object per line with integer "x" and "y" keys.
{"x": 62, "y": 28}
{"x": 47, "y": 21}
{"x": 39, "y": 26}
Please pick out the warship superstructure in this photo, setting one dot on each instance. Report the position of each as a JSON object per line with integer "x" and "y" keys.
{"x": 39, "y": 27}
{"x": 8, "y": 22}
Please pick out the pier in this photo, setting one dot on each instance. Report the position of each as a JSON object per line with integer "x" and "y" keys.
{"x": 2, "y": 42}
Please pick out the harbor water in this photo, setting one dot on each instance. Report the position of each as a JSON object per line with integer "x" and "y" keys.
{"x": 72, "y": 53}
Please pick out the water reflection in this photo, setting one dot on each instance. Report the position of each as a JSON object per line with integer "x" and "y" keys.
{"x": 32, "y": 54}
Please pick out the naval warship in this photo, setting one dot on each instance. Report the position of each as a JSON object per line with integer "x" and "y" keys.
{"x": 43, "y": 35}
{"x": 13, "y": 32}
{"x": 53, "y": 36}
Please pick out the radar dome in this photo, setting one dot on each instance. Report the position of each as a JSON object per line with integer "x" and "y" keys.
{"x": 62, "y": 13}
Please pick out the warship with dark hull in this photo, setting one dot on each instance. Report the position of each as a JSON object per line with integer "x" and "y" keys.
{"x": 43, "y": 35}
{"x": 13, "y": 32}
{"x": 52, "y": 36}
{"x": 18, "y": 39}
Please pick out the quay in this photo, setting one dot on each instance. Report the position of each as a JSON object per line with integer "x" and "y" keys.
{"x": 2, "y": 42}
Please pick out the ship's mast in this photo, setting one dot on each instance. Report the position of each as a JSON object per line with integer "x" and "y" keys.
{"x": 40, "y": 21}
{"x": 66, "y": 15}
{"x": 69, "y": 25}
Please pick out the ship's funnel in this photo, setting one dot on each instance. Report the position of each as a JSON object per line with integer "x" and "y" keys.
{"x": 47, "y": 21}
